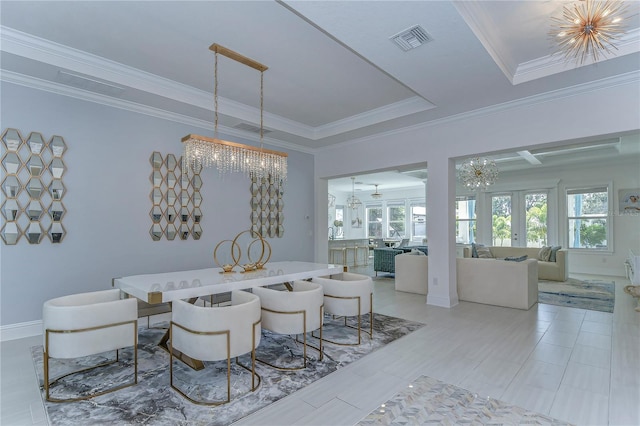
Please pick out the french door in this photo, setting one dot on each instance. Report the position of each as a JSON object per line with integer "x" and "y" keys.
{"x": 519, "y": 219}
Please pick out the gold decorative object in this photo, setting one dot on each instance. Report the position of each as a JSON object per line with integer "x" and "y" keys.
{"x": 235, "y": 253}
{"x": 227, "y": 267}
{"x": 263, "y": 260}
{"x": 202, "y": 151}
{"x": 249, "y": 267}
{"x": 33, "y": 170}
{"x": 175, "y": 198}
{"x": 478, "y": 173}
{"x": 589, "y": 28}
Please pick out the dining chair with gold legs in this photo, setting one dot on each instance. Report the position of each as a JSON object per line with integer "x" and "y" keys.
{"x": 295, "y": 312}
{"x": 348, "y": 295}
{"x": 86, "y": 324}
{"x": 216, "y": 334}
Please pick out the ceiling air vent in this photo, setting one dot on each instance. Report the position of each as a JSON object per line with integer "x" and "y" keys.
{"x": 411, "y": 38}
{"x": 250, "y": 128}
{"x": 89, "y": 84}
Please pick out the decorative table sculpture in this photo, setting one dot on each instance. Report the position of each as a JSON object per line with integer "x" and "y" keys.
{"x": 634, "y": 291}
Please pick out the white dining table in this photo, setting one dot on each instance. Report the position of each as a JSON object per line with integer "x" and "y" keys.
{"x": 169, "y": 286}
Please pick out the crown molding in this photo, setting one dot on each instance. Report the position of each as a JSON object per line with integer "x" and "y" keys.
{"x": 84, "y": 95}
{"x": 556, "y": 63}
{"x": 58, "y": 55}
{"x": 46, "y": 51}
{"x": 374, "y": 116}
{"x": 605, "y": 83}
{"x": 477, "y": 19}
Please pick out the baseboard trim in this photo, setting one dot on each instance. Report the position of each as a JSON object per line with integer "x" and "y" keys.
{"x": 443, "y": 302}
{"x": 20, "y": 330}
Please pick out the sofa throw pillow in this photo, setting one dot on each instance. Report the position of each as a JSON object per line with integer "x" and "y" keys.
{"x": 484, "y": 252}
{"x": 516, "y": 259}
{"x": 474, "y": 249}
{"x": 554, "y": 253}
{"x": 544, "y": 253}
{"x": 417, "y": 252}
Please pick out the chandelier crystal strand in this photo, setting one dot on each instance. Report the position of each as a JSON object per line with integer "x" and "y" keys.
{"x": 478, "y": 173}
{"x": 231, "y": 157}
{"x": 589, "y": 28}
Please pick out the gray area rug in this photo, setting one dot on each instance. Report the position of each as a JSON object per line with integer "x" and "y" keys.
{"x": 593, "y": 295}
{"x": 153, "y": 402}
{"x": 430, "y": 401}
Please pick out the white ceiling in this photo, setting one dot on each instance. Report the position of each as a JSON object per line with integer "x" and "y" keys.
{"x": 333, "y": 75}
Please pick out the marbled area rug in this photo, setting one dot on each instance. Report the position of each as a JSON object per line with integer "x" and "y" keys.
{"x": 153, "y": 402}
{"x": 430, "y": 401}
{"x": 593, "y": 295}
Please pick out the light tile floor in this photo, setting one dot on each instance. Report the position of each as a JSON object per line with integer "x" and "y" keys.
{"x": 575, "y": 365}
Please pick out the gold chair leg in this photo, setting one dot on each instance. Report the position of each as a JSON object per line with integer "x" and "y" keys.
{"x": 253, "y": 360}
{"x": 47, "y": 384}
{"x": 180, "y": 391}
{"x": 359, "y": 327}
{"x": 304, "y": 342}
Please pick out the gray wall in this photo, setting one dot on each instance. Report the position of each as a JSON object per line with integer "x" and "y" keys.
{"x": 108, "y": 204}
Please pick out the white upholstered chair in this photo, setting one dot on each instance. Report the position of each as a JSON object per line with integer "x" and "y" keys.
{"x": 348, "y": 295}
{"x": 86, "y": 324}
{"x": 298, "y": 311}
{"x": 215, "y": 334}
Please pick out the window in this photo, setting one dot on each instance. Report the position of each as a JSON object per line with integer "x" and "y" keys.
{"x": 374, "y": 221}
{"x": 418, "y": 222}
{"x": 465, "y": 220}
{"x": 396, "y": 223}
{"x": 587, "y": 215}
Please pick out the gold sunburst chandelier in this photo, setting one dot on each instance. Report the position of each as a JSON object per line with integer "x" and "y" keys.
{"x": 226, "y": 156}
{"x": 589, "y": 28}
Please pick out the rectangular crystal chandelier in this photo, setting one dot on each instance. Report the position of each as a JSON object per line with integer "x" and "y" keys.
{"x": 229, "y": 157}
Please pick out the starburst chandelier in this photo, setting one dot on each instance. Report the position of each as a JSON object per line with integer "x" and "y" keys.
{"x": 202, "y": 151}
{"x": 589, "y": 28}
{"x": 353, "y": 202}
{"x": 478, "y": 173}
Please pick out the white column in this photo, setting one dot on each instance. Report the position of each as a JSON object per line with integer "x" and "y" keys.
{"x": 321, "y": 220}
{"x": 441, "y": 193}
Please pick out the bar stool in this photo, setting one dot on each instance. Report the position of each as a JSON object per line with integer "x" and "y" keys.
{"x": 342, "y": 251}
{"x": 365, "y": 254}
{"x": 347, "y": 250}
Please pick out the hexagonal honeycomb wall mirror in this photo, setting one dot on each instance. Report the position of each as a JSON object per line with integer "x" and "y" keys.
{"x": 32, "y": 187}
{"x": 267, "y": 207}
{"x": 175, "y": 199}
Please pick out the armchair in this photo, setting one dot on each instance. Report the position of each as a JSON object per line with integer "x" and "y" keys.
{"x": 215, "y": 334}
{"x": 85, "y": 324}
{"x": 298, "y": 311}
{"x": 348, "y": 295}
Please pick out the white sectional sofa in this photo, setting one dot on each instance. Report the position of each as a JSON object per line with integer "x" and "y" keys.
{"x": 498, "y": 282}
{"x": 554, "y": 271}
{"x": 411, "y": 273}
